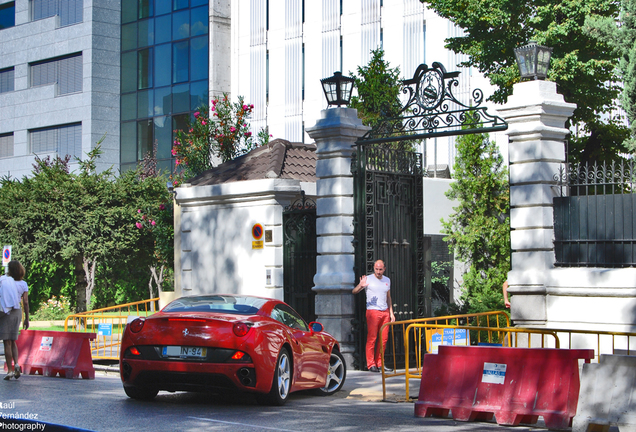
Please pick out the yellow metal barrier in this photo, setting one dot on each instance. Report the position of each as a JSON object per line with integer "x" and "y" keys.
{"x": 488, "y": 328}
{"x": 106, "y": 346}
{"x": 486, "y": 319}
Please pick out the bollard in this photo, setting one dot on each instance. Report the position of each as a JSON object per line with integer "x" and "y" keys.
{"x": 52, "y": 353}
{"x": 515, "y": 385}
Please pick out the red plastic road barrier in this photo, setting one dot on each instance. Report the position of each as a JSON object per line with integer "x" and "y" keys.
{"x": 49, "y": 353}
{"x": 516, "y": 385}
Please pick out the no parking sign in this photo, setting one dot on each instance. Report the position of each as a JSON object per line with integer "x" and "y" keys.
{"x": 257, "y": 234}
{"x": 6, "y": 255}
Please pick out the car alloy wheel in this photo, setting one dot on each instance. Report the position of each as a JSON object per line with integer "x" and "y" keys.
{"x": 336, "y": 374}
{"x": 281, "y": 382}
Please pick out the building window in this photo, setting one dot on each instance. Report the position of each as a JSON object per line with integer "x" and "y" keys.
{"x": 164, "y": 74}
{"x": 6, "y": 145}
{"x": 65, "y": 72}
{"x": 63, "y": 140}
{"x": 6, "y": 80}
{"x": 69, "y": 11}
{"x": 7, "y": 15}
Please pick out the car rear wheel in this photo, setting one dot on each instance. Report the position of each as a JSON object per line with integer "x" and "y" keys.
{"x": 140, "y": 393}
{"x": 281, "y": 383}
{"x": 336, "y": 374}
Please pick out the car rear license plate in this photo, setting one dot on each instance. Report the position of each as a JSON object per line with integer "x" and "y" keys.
{"x": 184, "y": 352}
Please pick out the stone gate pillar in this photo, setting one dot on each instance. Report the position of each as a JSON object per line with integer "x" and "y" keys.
{"x": 335, "y": 134}
{"x": 536, "y": 116}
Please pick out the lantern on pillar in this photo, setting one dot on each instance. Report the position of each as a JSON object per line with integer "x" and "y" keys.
{"x": 337, "y": 89}
{"x": 533, "y": 60}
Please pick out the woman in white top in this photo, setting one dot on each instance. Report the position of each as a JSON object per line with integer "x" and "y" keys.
{"x": 10, "y": 296}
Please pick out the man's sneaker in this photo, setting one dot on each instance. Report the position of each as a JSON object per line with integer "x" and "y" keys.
{"x": 17, "y": 372}
{"x": 8, "y": 376}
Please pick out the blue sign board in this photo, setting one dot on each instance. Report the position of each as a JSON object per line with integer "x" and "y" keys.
{"x": 104, "y": 329}
{"x": 448, "y": 337}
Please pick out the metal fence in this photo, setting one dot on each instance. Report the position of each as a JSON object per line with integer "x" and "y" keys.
{"x": 109, "y": 324}
{"x": 486, "y": 329}
{"x": 593, "y": 215}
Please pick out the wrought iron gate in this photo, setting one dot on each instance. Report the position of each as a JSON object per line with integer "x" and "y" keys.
{"x": 388, "y": 193}
{"x": 299, "y": 256}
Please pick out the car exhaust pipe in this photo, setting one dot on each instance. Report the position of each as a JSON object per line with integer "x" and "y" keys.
{"x": 247, "y": 377}
{"x": 126, "y": 371}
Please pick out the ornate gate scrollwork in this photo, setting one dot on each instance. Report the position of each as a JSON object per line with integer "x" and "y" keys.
{"x": 432, "y": 110}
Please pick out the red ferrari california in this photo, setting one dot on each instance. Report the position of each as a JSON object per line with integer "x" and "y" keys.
{"x": 217, "y": 343}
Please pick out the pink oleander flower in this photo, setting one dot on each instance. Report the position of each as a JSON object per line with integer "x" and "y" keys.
{"x": 177, "y": 162}
{"x": 248, "y": 134}
{"x": 153, "y": 223}
{"x": 162, "y": 207}
{"x": 174, "y": 152}
{"x": 252, "y": 106}
{"x": 232, "y": 129}
{"x": 143, "y": 217}
{"x": 203, "y": 122}
{"x": 213, "y": 108}
{"x": 139, "y": 225}
{"x": 138, "y": 210}
{"x": 214, "y": 101}
{"x": 196, "y": 114}
{"x": 245, "y": 107}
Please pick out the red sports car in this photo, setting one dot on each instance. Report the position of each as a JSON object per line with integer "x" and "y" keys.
{"x": 220, "y": 342}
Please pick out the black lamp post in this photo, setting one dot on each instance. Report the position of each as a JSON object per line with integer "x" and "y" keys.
{"x": 337, "y": 89}
{"x": 533, "y": 60}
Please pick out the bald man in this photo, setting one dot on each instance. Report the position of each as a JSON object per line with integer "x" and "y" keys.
{"x": 379, "y": 312}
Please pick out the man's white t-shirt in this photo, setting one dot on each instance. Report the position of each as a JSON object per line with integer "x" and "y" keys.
{"x": 376, "y": 292}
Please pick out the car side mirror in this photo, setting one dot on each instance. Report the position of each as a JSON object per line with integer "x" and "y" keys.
{"x": 316, "y": 327}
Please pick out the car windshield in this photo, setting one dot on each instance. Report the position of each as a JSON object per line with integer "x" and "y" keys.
{"x": 242, "y": 305}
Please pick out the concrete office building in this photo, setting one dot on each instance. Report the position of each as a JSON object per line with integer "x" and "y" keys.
{"x": 133, "y": 71}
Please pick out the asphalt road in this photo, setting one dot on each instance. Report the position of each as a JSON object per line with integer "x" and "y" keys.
{"x": 101, "y": 405}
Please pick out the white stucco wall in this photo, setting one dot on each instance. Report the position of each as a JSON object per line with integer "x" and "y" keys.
{"x": 215, "y": 237}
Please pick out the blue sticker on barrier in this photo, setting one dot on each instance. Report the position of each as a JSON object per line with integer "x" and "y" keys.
{"x": 104, "y": 329}
{"x": 494, "y": 373}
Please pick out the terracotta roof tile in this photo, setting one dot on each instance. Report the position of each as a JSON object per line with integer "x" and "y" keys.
{"x": 278, "y": 159}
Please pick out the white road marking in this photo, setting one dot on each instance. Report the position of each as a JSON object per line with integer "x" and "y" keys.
{"x": 242, "y": 424}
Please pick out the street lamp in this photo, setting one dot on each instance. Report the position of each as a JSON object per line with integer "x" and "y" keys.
{"x": 533, "y": 60}
{"x": 337, "y": 89}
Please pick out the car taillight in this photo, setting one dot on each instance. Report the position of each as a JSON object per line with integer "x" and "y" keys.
{"x": 240, "y": 329}
{"x": 241, "y": 357}
{"x": 137, "y": 325}
{"x": 134, "y": 351}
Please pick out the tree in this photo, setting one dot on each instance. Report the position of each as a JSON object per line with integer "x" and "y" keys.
{"x": 582, "y": 65}
{"x": 225, "y": 134}
{"x": 379, "y": 88}
{"x": 628, "y": 66}
{"x": 77, "y": 220}
{"x": 479, "y": 229}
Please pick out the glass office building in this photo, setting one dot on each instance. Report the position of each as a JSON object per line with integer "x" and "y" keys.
{"x": 164, "y": 74}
